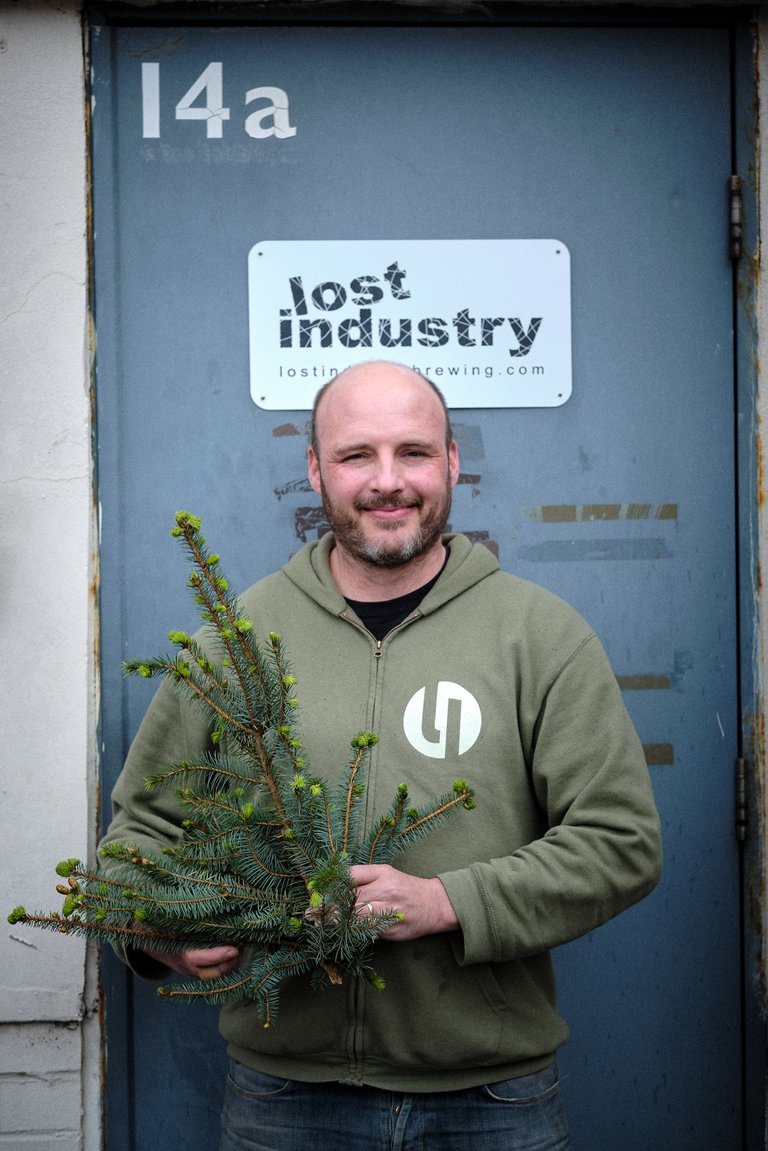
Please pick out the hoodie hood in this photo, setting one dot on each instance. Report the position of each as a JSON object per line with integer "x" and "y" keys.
{"x": 467, "y": 565}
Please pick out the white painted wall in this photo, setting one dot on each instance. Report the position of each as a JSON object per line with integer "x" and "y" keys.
{"x": 49, "y": 1037}
{"x": 47, "y": 719}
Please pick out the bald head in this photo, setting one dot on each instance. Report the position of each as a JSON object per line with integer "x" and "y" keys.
{"x": 382, "y": 378}
{"x": 383, "y": 460}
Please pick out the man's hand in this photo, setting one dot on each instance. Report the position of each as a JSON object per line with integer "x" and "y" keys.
{"x": 423, "y": 903}
{"x": 198, "y": 963}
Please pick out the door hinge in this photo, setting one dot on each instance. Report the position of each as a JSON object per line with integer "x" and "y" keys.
{"x": 741, "y": 800}
{"x": 735, "y": 217}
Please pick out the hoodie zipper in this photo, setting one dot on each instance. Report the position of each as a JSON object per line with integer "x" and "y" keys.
{"x": 378, "y": 643}
{"x": 357, "y": 1053}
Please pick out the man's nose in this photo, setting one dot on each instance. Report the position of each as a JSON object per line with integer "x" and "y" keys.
{"x": 387, "y": 475}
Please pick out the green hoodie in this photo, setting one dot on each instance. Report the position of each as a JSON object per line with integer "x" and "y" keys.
{"x": 492, "y": 679}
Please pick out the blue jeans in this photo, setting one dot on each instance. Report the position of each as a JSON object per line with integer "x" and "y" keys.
{"x": 262, "y": 1113}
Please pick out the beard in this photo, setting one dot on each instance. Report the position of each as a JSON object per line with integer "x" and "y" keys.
{"x": 389, "y": 551}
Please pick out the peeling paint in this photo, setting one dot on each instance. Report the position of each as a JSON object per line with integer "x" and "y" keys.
{"x": 578, "y": 551}
{"x": 589, "y": 513}
{"x": 659, "y": 754}
{"x": 310, "y": 519}
{"x": 644, "y": 682}
{"x": 291, "y": 486}
{"x": 166, "y": 47}
{"x": 484, "y": 538}
{"x": 754, "y": 877}
{"x": 658, "y": 681}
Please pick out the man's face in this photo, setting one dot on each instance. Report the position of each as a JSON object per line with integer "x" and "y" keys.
{"x": 382, "y": 465}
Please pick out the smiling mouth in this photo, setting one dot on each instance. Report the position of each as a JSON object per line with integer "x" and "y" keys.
{"x": 387, "y": 505}
{"x": 387, "y": 514}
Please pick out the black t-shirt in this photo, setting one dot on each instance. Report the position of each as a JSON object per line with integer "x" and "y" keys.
{"x": 380, "y": 616}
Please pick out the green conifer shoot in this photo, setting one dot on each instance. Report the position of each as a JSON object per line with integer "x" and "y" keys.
{"x": 265, "y": 848}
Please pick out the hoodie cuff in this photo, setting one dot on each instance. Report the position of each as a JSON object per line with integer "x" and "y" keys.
{"x": 477, "y": 941}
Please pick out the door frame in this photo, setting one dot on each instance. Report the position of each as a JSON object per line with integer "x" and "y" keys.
{"x": 751, "y": 507}
{"x": 750, "y": 602}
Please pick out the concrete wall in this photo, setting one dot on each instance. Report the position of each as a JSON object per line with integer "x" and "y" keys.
{"x": 49, "y": 1029}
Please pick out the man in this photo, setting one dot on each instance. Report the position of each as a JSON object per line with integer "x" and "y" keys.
{"x": 389, "y": 623}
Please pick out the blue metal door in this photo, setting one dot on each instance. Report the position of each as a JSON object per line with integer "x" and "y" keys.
{"x": 618, "y": 142}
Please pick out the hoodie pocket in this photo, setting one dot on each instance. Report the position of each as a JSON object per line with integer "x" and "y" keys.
{"x": 432, "y": 1013}
{"x": 436, "y": 1014}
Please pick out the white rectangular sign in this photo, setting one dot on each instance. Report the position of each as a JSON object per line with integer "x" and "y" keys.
{"x": 488, "y": 321}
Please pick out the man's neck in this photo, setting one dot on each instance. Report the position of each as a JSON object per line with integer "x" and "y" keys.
{"x": 368, "y": 582}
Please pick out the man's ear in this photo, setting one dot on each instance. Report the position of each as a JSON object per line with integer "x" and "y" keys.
{"x": 453, "y": 463}
{"x": 313, "y": 470}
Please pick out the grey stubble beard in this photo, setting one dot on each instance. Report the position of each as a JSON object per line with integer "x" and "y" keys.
{"x": 352, "y": 539}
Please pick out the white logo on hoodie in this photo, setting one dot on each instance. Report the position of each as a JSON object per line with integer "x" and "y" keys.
{"x": 469, "y": 720}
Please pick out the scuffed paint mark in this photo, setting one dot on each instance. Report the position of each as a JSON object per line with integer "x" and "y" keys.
{"x": 683, "y": 663}
{"x": 166, "y": 47}
{"x": 290, "y": 430}
{"x": 586, "y": 460}
{"x": 300, "y": 485}
{"x": 307, "y": 520}
{"x": 484, "y": 538}
{"x": 659, "y": 754}
{"x": 590, "y": 513}
{"x": 644, "y": 682}
{"x": 657, "y": 681}
{"x": 579, "y": 551}
{"x": 469, "y": 478}
{"x": 18, "y": 939}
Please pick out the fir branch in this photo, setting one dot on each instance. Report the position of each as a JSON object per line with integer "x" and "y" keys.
{"x": 264, "y": 855}
{"x": 425, "y": 818}
{"x": 353, "y": 791}
{"x": 217, "y": 772}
